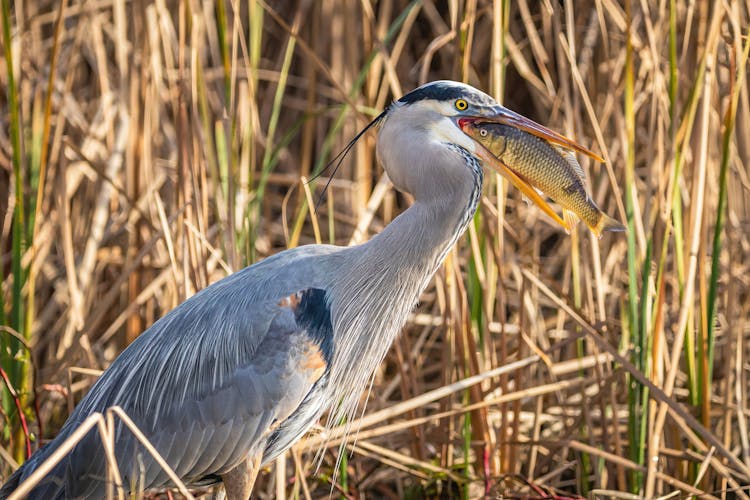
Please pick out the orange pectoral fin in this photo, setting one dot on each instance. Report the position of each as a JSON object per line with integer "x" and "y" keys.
{"x": 571, "y": 219}
{"x": 493, "y": 162}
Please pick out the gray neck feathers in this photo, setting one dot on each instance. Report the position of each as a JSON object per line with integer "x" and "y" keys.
{"x": 379, "y": 283}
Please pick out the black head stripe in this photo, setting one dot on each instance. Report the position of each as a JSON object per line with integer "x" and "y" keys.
{"x": 436, "y": 91}
{"x": 445, "y": 91}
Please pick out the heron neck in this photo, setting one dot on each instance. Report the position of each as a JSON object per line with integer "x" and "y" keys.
{"x": 400, "y": 261}
{"x": 418, "y": 240}
{"x": 377, "y": 284}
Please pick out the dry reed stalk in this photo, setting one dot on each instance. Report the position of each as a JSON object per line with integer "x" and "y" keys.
{"x": 230, "y": 103}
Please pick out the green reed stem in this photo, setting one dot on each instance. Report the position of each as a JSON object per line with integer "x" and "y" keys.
{"x": 13, "y": 356}
{"x": 634, "y": 388}
{"x": 726, "y": 146}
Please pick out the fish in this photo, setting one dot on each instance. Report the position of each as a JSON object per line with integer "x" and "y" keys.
{"x": 535, "y": 165}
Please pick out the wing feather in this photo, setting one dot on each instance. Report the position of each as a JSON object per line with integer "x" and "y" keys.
{"x": 196, "y": 436}
{"x": 208, "y": 392}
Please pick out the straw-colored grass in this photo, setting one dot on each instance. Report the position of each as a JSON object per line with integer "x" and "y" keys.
{"x": 148, "y": 149}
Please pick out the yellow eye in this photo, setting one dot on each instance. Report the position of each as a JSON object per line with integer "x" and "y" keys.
{"x": 461, "y": 104}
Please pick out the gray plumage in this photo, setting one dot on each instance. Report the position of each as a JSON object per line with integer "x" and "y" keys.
{"x": 242, "y": 369}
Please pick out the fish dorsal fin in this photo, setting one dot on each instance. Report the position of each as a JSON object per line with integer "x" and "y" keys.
{"x": 570, "y": 157}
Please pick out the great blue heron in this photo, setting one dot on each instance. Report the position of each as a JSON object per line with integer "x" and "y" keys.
{"x": 236, "y": 374}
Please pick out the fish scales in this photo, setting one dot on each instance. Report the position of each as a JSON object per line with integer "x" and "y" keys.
{"x": 549, "y": 169}
{"x": 544, "y": 167}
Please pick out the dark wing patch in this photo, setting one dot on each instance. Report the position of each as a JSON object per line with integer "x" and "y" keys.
{"x": 312, "y": 347}
{"x": 314, "y": 316}
{"x": 312, "y": 313}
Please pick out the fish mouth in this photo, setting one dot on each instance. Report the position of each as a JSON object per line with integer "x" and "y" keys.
{"x": 504, "y": 116}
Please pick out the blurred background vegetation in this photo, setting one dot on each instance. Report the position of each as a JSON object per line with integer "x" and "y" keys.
{"x": 148, "y": 149}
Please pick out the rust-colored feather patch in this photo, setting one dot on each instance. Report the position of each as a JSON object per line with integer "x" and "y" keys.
{"x": 313, "y": 361}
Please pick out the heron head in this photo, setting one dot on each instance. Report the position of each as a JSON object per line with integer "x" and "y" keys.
{"x": 429, "y": 115}
{"x": 418, "y": 127}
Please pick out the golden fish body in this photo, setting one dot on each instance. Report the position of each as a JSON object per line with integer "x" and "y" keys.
{"x": 547, "y": 168}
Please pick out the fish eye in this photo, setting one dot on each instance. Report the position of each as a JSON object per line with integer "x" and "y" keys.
{"x": 483, "y": 132}
{"x": 461, "y": 104}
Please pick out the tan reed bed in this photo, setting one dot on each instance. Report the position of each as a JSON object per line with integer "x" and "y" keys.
{"x": 148, "y": 149}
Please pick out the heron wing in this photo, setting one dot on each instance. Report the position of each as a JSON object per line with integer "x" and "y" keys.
{"x": 208, "y": 390}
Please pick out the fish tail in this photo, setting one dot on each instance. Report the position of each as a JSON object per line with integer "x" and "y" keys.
{"x": 607, "y": 223}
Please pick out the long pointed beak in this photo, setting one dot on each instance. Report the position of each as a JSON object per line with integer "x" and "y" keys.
{"x": 507, "y": 117}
